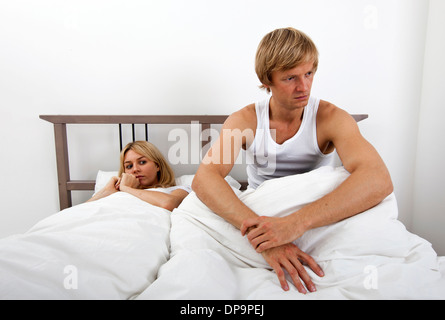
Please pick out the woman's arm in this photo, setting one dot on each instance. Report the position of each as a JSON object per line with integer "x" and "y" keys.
{"x": 130, "y": 184}
{"x": 167, "y": 201}
{"x": 109, "y": 188}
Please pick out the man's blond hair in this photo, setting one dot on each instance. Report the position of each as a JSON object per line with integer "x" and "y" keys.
{"x": 283, "y": 49}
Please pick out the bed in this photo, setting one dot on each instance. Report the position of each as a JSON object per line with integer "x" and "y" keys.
{"x": 120, "y": 247}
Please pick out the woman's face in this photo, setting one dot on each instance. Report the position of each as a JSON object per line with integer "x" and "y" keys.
{"x": 145, "y": 170}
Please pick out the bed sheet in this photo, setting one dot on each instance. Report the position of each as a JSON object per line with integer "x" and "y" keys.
{"x": 111, "y": 248}
{"x": 368, "y": 256}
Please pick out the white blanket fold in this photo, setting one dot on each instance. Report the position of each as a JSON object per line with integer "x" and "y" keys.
{"x": 111, "y": 248}
{"x": 121, "y": 247}
{"x": 368, "y": 256}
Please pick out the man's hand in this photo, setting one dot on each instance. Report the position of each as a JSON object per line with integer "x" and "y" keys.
{"x": 290, "y": 258}
{"x": 268, "y": 232}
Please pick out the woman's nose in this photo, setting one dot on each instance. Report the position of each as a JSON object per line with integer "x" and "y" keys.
{"x": 135, "y": 168}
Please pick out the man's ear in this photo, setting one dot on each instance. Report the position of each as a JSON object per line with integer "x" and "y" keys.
{"x": 265, "y": 87}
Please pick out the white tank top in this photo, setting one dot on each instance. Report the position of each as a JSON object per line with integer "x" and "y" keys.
{"x": 267, "y": 159}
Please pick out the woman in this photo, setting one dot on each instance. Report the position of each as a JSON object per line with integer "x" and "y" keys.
{"x": 142, "y": 167}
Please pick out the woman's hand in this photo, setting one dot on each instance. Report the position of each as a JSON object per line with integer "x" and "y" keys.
{"x": 127, "y": 180}
{"x": 268, "y": 232}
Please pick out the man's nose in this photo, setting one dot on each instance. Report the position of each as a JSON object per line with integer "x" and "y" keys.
{"x": 302, "y": 85}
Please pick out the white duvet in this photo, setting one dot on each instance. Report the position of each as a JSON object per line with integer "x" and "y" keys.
{"x": 111, "y": 248}
{"x": 120, "y": 247}
{"x": 368, "y": 256}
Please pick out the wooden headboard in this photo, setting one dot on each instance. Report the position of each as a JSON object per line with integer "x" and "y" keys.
{"x": 66, "y": 185}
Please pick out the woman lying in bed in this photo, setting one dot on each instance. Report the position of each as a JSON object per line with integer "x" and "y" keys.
{"x": 143, "y": 167}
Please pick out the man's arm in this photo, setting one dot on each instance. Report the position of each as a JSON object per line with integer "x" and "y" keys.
{"x": 209, "y": 184}
{"x": 214, "y": 191}
{"x": 368, "y": 184}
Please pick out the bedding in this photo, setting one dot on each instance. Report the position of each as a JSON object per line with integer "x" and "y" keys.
{"x": 111, "y": 248}
{"x": 120, "y": 247}
{"x": 368, "y": 256}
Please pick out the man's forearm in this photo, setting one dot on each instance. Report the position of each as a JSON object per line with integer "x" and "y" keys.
{"x": 362, "y": 190}
{"x": 216, "y": 193}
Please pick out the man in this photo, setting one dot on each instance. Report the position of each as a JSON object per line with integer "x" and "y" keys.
{"x": 291, "y": 124}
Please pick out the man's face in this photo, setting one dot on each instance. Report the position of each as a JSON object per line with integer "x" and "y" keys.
{"x": 291, "y": 88}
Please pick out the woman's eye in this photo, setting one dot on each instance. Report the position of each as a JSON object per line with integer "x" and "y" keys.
{"x": 142, "y": 162}
{"x": 129, "y": 167}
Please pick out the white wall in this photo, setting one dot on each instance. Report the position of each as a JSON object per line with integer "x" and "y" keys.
{"x": 429, "y": 187}
{"x": 192, "y": 57}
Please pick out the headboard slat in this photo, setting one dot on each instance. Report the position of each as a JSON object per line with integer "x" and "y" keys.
{"x": 80, "y": 185}
{"x": 134, "y": 119}
{"x": 62, "y": 160}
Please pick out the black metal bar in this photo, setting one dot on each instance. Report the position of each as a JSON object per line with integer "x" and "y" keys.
{"x": 146, "y": 132}
{"x": 120, "y": 136}
{"x": 132, "y": 131}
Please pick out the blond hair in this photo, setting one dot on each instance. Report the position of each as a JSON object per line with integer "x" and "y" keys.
{"x": 283, "y": 49}
{"x": 166, "y": 176}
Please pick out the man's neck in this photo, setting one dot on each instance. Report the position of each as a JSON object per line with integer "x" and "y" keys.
{"x": 283, "y": 114}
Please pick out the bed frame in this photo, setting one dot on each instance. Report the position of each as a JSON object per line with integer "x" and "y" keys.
{"x": 66, "y": 185}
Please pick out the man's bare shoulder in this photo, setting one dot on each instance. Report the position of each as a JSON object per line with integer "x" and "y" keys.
{"x": 334, "y": 122}
{"x": 244, "y": 118}
{"x": 328, "y": 113}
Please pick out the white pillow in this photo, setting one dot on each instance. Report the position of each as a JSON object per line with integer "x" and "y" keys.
{"x": 185, "y": 180}
{"x": 102, "y": 179}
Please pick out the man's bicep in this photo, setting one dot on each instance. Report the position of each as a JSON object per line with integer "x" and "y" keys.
{"x": 214, "y": 161}
{"x": 227, "y": 147}
{"x": 352, "y": 148}
{"x": 222, "y": 154}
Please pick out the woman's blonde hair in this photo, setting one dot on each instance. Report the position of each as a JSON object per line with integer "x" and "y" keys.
{"x": 166, "y": 176}
{"x": 283, "y": 49}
